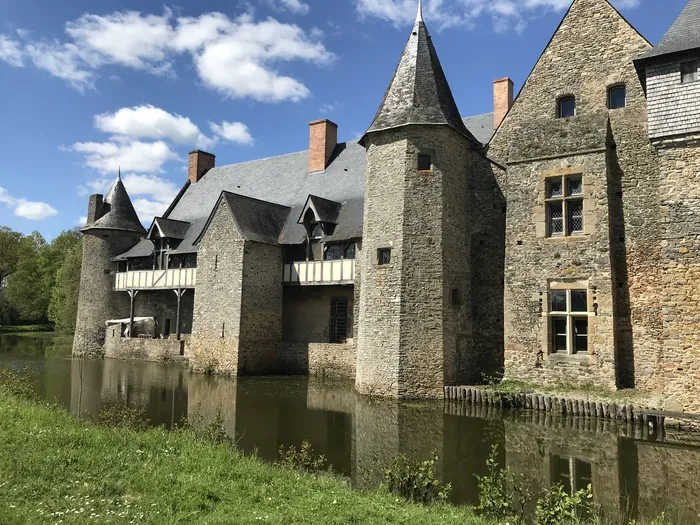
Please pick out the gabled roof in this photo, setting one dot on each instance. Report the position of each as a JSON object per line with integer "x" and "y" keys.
{"x": 419, "y": 92}
{"x": 256, "y": 220}
{"x": 117, "y": 212}
{"x": 324, "y": 210}
{"x": 684, "y": 34}
{"x": 167, "y": 228}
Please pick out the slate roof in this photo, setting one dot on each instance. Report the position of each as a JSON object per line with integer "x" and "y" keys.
{"x": 117, "y": 212}
{"x": 323, "y": 210}
{"x": 481, "y": 126}
{"x": 684, "y": 34}
{"x": 170, "y": 228}
{"x": 256, "y": 220}
{"x": 419, "y": 92}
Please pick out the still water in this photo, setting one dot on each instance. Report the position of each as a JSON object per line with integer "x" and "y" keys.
{"x": 630, "y": 477}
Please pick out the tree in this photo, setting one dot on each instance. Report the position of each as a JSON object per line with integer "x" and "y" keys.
{"x": 9, "y": 252}
{"x": 63, "y": 307}
{"x": 24, "y": 288}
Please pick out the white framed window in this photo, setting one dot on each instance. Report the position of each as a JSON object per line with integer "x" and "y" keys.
{"x": 564, "y": 206}
{"x": 568, "y": 322}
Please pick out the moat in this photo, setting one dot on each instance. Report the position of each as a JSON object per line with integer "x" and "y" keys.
{"x": 629, "y": 477}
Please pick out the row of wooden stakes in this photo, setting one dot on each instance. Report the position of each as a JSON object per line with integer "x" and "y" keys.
{"x": 552, "y": 404}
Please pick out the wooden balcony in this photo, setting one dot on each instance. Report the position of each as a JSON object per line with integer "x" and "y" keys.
{"x": 309, "y": 273}
{"x": 156, "y": 279}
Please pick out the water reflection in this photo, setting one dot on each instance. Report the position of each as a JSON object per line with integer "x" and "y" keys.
{"x": 631, "y": 476}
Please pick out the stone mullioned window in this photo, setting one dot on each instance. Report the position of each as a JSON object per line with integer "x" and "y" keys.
{"x": 570, "y": 305}
{"x": 565, "y": 205}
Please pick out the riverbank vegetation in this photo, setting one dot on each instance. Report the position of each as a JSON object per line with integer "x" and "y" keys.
{"x": 60, "y": 469}
{"x": 39, "y": 280}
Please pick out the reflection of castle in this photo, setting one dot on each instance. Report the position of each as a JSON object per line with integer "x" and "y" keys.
{"x": 390, "y": 260}
{"x": 355, "y": 432}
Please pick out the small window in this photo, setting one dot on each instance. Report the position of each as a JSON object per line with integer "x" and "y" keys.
{"x": 384, "y": 256}
{"x": 350, "y": 251}
{"x": 568, "y": 322}
{"x": 566, "y": 107}
{"x": 425, "y": 163}
{"x": 564, "y": 206}
{"x": 617, "y": 97}
{"x": 455, "y": 297}
{"x": 334, "y": 252}
{"x": 689, "y": 72}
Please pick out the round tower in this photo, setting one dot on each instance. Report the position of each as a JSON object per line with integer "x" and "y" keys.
{"x": 112, "y": 228}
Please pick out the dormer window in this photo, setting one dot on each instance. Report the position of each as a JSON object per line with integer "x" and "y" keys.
{"x": 566, "y": 107}
{"x": 617, "y": 97}
{"x": 689, "y": 72}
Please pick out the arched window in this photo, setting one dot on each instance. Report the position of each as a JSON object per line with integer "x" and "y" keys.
{"x": 566, "y": 107}
{"x": 617, "y": 97}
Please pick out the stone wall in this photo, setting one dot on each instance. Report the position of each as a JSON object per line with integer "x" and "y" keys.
{"x": 158, "y": 350}
{"x": 162, "y": 306}
{"x": 674, "y": 107}
{"x": 217, "y": 305}
{"x": 307, "y": 310}
{"x": 678, "y": 366}
{"x": 98, "y": 302}
{"x": 609, "y": 148}
{"x": 413, "y": 338}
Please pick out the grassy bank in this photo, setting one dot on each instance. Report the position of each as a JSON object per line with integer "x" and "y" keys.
{"x": 57, "y": 469}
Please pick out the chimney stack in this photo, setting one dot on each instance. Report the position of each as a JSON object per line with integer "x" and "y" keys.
{"x": 502, "y": 99}
{"x": 323, "y": 138}
{"x": 200, "y": 163}
{"x": 95, "y": 208}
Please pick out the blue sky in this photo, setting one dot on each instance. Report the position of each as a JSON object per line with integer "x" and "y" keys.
{"x": 88, "y": 85}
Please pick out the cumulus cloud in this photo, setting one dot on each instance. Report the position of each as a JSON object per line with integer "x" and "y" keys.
{"x": 238, "y": 57}
{"x": 295, "y": 6}
{"x": 34, "y": 211}
{"x": 233, "y": 132}
{"x": 505, "y": 15}
{"x": 150, "y": 122}
{"x": 130, "y": 155}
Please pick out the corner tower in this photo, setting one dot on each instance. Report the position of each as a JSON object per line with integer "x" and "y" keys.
{"x": 112, "y": 228}
{"x": 415, "y": 327}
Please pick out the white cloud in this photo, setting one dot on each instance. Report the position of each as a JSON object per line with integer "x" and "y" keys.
{"x": 150, "y": 122}
{"x": 129, "y": 155}
{"x": 233, "y": 132}
{"x": 240, "y": 58}
{"x": 295, "y": 6}
{"x": 81, "y": 221}
{"x": 35, "y": 211}
{"x": 330, "y": 107}
{"x": 505, "y": 15}
{"x": 11, "y": 52}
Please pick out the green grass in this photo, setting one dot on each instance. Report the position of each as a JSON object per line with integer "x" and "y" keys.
{"x": 55, "y": 468}
{"x": 13, "y": 329}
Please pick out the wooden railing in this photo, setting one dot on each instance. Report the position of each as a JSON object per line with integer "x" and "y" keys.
{"x": 319, "y": 272}
{"x": 156, "y": 279}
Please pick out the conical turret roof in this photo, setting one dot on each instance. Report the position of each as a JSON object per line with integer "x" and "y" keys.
{"x": 419, "y": 92}
{"x": 684, "y": 34}
{"x": 118, "y": 212}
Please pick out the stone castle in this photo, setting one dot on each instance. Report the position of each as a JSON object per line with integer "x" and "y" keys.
{"x": 556, "y": 239}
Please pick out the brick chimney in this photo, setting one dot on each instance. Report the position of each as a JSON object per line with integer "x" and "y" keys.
{"x": 502, "y": 99}
{"x": 200, "y": 163}
{"x": 323, "y": 138}
{"x": 95, "y": 208}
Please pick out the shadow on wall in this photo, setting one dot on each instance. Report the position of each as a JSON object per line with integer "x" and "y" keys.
{"x": 624, "y": 343}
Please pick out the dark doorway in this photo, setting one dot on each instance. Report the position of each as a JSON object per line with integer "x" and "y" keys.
{"x": 166, "y": 328}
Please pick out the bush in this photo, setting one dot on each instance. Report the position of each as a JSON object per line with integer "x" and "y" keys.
{"x": 415, "y": 481}
{"x": 304, "y": 458}
{"x": 115, "y": 413}
{"x": 212, "y": 432}
{"x": 17, "y": 383}
{"x": 558, "y": 507}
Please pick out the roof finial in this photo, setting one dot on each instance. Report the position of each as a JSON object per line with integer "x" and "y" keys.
{"x": 419, "y": 17}
{"x": 119, "y": 173}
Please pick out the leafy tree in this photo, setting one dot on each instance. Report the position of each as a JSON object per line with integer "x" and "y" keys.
{"x": 9, "y": 252}
{"x": 63, "y": 307}
{"x": 24, "y": 288}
